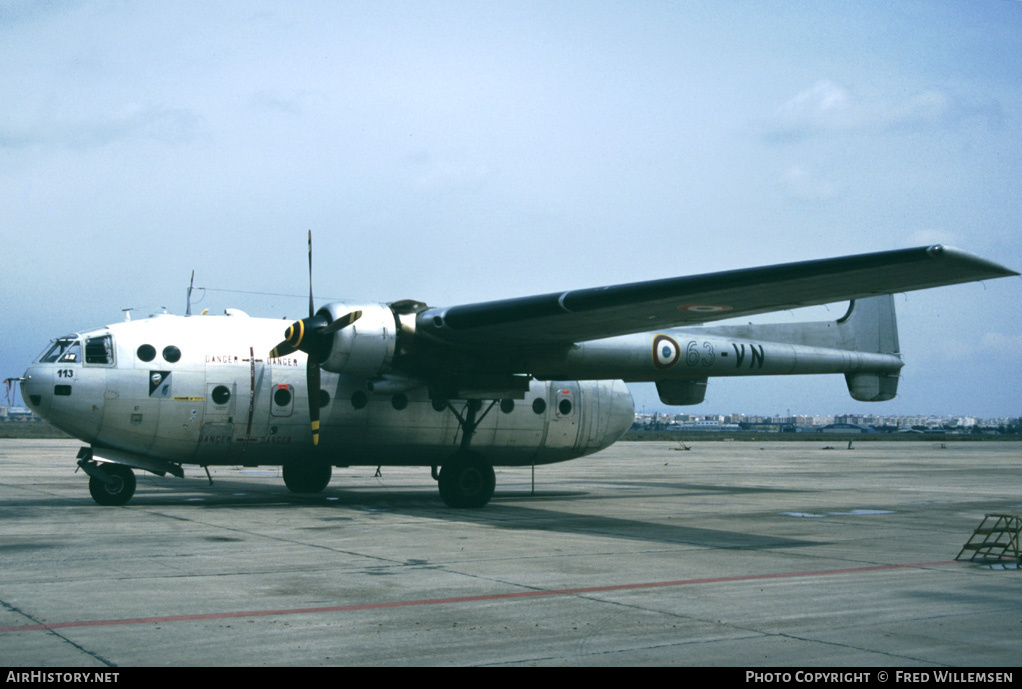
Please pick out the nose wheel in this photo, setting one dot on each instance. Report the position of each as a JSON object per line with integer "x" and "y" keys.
{"x": 114, "y": 487}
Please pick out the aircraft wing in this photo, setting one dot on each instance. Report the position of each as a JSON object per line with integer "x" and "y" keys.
{"x": 587, "y": 314}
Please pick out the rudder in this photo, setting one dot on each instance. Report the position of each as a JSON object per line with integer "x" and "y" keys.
{"x": 870, "y": 325}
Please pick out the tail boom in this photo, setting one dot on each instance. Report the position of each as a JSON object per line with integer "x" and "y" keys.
{"x": 862, "y": 345}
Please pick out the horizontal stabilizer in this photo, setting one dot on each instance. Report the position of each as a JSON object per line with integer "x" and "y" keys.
{"x": 681, "y": 392}
{"x": 872, "y": 387}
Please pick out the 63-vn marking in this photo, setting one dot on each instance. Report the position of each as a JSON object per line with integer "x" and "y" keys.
{"x": 756, "y": 360}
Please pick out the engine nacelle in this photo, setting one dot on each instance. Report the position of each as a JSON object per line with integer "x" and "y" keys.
{"x": 366, "y": 347}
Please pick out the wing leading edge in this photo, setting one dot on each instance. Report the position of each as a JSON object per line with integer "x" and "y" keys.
{"x": 594, "y": 313}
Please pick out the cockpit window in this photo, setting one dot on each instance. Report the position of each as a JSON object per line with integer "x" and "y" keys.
{"x": 65, "y": 349}
{"x": 99, "y": 350}
{"x": 73, "y": 353}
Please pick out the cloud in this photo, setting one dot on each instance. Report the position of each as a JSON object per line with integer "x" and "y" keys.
{"x": 288, "y": 103}
{"x": 806, "y": 184}
{"x": 15, "y": 12}
{"x": 990, "y": 345}
{"x": 828, "y": 108}
{"x": 168, "y": 125}
{"x": 433, "y": 174}
{"x": 1001, "y": 344}
{"x": 934, "y": 236}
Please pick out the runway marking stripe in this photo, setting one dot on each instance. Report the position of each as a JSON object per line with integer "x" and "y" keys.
{"x": 461, "y": 599}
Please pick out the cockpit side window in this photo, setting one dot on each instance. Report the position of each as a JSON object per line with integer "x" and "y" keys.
{"x": 99, "y": 350}
{"x": 65, "y": 349}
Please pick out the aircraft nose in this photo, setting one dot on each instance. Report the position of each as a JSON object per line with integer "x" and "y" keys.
{"x": 34, "y": 383}
{"x": 66, "y": 397}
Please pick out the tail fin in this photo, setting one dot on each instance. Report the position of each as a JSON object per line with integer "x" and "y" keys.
{"x": 870, "y": 325}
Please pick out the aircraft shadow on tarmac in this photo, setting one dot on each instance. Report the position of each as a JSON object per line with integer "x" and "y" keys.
{"x": 693, "y": 489}
{"x": 514, "y": 508}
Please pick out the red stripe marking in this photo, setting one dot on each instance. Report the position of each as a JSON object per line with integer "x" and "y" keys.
{"x": 461, "y": 599}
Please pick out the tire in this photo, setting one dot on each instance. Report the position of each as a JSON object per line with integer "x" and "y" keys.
{"x": 119, "y": 493}
{"x": 467, "y": 481}
{"x": 306, "y": 478}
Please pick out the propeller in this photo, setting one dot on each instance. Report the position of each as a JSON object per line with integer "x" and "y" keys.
{"x": 312, "y": 336}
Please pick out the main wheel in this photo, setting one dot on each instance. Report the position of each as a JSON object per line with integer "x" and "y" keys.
{"x": 116, "y": 493}
{"x": 466, "y": 481}
{"x": 306, "y": 478}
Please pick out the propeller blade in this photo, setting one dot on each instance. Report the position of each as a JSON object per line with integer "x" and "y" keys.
{"x": 293, "y": 337}
{"x": 312, "y": 364}
{"x": 342, "y": 322}
{"x": 312, "y": 310}
{"x": 305, "y": 335}
{"x": 283, "y": 349}
{"x": 312, "y": 383}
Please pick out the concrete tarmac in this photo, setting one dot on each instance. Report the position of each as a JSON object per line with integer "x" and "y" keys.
{"x": 730, "y": 554}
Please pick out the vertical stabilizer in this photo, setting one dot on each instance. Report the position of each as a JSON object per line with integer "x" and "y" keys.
{"x": 872, "y": 327}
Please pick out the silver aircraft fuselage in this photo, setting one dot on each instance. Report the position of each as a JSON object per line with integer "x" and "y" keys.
{"x": 202, "y": 390}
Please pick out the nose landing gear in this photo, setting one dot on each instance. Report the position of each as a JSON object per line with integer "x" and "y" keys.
{"x": 110, "y": 484}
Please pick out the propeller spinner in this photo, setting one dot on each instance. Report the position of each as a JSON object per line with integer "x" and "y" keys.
{"x": 312, "y": 336}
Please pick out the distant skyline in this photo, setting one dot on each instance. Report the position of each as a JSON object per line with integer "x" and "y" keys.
{"x": 674, "y": 411}
{"x": 455, "y": 152}
{"x": 702, "y": 413}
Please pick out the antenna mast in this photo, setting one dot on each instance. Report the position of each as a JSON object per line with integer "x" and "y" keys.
{"x": 188, "y": 306}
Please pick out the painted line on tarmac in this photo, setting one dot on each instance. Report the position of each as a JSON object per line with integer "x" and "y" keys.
{"x": 462, "y": 599}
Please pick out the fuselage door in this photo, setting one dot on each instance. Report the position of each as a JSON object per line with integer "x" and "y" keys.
{"x": 563, "y": 413}
{"x": 217, "y": 437}
{"x": 221, "y": 402}
{"x": 282, "y": 403}
{"x": 564, "y": 397}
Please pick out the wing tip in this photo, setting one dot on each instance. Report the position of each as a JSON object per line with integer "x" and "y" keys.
{"x": 991, "y": 268}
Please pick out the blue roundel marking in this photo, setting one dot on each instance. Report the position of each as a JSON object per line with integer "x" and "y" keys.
{"x": 665, "y": 351}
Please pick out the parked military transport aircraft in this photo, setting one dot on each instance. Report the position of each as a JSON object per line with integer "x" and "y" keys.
{"x": 515, "y": 382}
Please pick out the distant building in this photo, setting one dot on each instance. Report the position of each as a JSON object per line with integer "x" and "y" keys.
{"x": 847, "y": 428}
{"x": 767, "y": 427}
{"x": 706, "y": 425}
{"x": 17, "y": 414}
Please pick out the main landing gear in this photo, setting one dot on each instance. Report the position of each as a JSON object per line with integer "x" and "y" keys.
{"x": 467, "y": 479}
{"x": 306, "y": 478}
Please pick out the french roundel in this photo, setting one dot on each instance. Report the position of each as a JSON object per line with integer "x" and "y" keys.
{"x": 665, "y": 351}
{"x": 704, "y": 308}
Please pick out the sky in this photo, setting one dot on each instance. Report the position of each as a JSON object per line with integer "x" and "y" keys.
{"x": 456, "y": 152}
